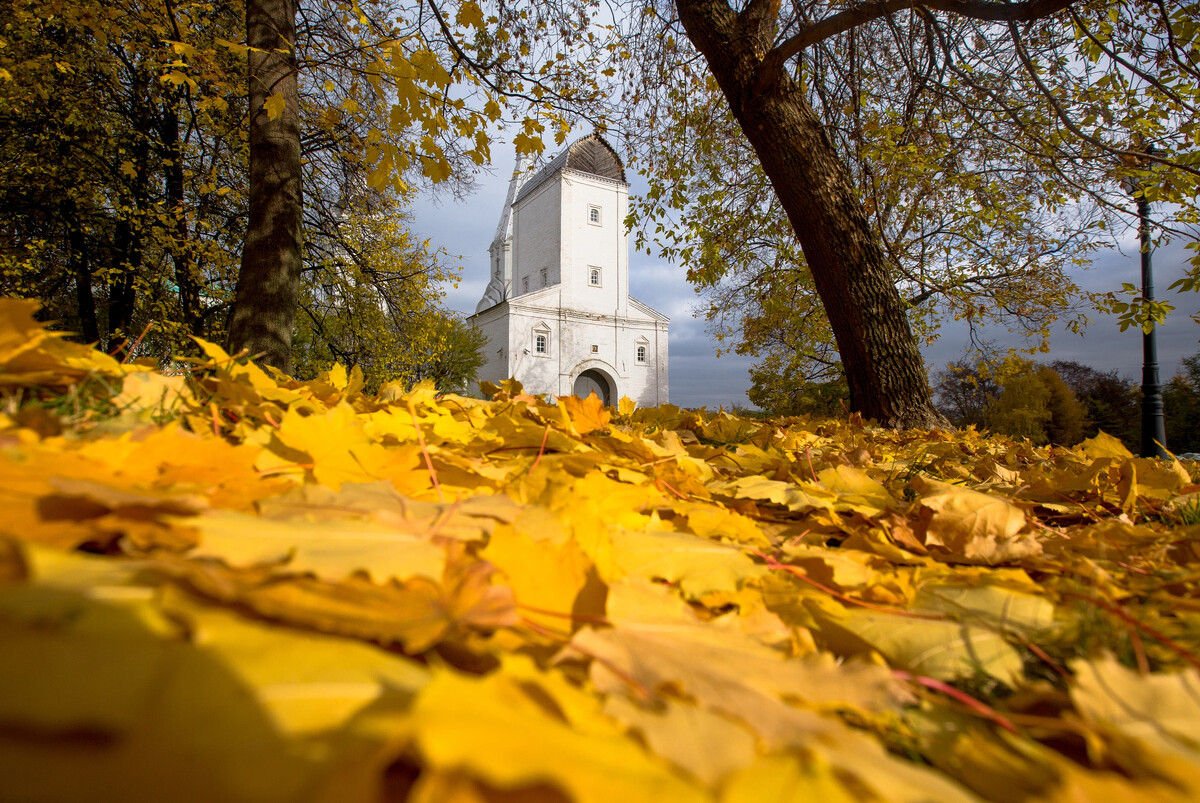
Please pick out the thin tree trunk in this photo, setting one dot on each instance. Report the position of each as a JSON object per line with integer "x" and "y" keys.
{"x": 128, "y": 246}
{"x": 881, "y": 359}
{"x": 269, "y": 283}
{"x": 181, "y": 250}
{"x": 126, "y": 262}
{"x": 78, "y": 258}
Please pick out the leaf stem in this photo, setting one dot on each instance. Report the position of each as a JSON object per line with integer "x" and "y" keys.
{"x": 424, "y": 451}
{"x": 960, "y": 696}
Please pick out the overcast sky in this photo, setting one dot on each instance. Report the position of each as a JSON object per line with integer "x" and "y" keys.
{"x": 465, "y": 229}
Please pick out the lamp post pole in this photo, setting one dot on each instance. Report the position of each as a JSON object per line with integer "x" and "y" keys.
{"x": 1154, "y": 434}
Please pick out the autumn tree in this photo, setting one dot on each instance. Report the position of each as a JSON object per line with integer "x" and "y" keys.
{"x": 1112, "y": 404}
{"x": 370, "y": 298}
{"x": 120, "y": 167}
{"x": 433, "y": 79}
{"x": 965, "y": 391}
{"x": 793, "y": 394}
{"x": 1013, "y": 396}
{"x": 453, "y": 354}
{"x": 1181, "y": 408}
{"x": 993, "y": 76}
{"x": 1067, "y": 416}
{"x": 130, "y": 124}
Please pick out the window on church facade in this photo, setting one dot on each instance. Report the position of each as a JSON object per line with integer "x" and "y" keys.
{"x": 539, "y": 344}
{"x": 544, "y": 276}
{"x": 525, "y": 284}
{"x": 641, "y": 354}
{"x": 595, "y": 349}
{"x": 594, "y": 277}
{"x": 594, "y": 215}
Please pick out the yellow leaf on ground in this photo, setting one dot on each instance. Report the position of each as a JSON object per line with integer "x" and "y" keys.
{"x": 586, "y": 415}
{"x": 1162, "y": 710}
{"x": 329, "y": 550}
{"x": 987, "y": 604}
{"x": 782, "y": 778}
{"x": 790, "y": 495}
{"x": 857, "y": 491}
{"x": 499, "y": 728}
{"x": 940, "y": 650}
{"x": 980, "y": 527}
{"x": 546, "y": 578}
{"x": 656, "y": 645}
{"x": 707, "y": 745}
{"x": 698, "y": 565}
{"x": 1104, "y": 445}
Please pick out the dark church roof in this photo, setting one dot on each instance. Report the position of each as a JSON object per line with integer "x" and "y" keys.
{"x": 590, "y": 154}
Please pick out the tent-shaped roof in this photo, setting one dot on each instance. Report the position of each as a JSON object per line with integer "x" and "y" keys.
{"x": 590, "y": 154}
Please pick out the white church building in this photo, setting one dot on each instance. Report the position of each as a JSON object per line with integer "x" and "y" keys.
{"x": 557, "y": 312}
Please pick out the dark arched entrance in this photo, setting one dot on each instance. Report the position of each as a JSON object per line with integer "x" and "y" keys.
{"x": 592, "y": 381}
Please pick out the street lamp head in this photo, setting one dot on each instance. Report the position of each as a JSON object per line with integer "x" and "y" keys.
{"x": 1132, "y": 184}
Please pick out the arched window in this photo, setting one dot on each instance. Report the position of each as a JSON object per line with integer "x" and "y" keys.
{"x": 594, "y": 276}
{"x": 641, "y": 354}
{"x": 594, "y": 215}
{"x": 540, "y": 338}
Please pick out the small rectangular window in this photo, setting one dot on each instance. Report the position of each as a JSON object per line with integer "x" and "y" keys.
{"x": 525, "y": 285}
{"x": 544, "y": 277}
{"x": 594, "y": 277}
{"x": 594, "y": 215}
{"x": 595, "y": 349}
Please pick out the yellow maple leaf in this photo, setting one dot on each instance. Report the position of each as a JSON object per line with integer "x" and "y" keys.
{"x": 329, "y": 550}
{"x": 498, "y": 729}
{"x": 546, "y": 578}
{"x": 586, "y": 415}
{"x": 1104, "y": 445}
{"x": 274, "y": 106}
{"x": 698, "y": 565}
{"x": 980, "y": 527}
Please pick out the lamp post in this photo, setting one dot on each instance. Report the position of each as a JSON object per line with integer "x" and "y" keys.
{"x": 1154, "y": 434}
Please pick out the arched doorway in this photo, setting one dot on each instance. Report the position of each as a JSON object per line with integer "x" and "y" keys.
{"x": 593, "y": 381}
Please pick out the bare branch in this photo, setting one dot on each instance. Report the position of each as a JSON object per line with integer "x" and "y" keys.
{"x": 859, "y": 15}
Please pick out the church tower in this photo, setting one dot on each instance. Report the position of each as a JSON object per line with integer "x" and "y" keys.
{"x": 557, "y": 311}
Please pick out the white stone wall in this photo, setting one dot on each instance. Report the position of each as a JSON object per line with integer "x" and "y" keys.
{"x": 537, "y": 239}
{"x": 571, "y": 336}
{"x": 494, "y": 324}
{"x": 603, "y": 245}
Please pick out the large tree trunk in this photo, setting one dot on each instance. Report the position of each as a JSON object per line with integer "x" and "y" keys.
{"x": 880, "y": 356}
{"x": 269, "y": 283}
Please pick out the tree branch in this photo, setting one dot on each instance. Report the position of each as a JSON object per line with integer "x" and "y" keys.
{"x": 843, "y": 21}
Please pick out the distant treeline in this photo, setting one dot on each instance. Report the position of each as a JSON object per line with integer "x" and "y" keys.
{"x": 1062, "y": 402}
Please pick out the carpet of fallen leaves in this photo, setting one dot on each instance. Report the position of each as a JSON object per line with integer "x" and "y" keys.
{"x": 218, "y": 584}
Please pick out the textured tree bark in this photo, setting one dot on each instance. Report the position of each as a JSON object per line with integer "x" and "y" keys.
{"x": 880, "y": 355}
{"x": 264, "y": 309}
